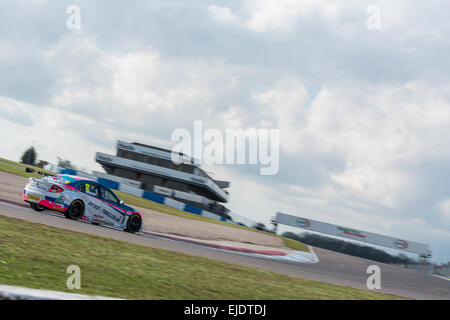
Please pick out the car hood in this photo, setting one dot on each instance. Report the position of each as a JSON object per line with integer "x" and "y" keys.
{"x": 128, "y": 208}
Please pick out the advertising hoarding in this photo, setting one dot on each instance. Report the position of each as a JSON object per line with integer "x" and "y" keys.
{"x": 353, "y": 234}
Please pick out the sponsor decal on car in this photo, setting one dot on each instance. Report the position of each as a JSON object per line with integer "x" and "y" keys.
{"x": 111, "y": 215}
{"x": 93, "y": 205}
{"x": 38, "y": 185}
{"x": 31, "y": 197}
{"x": 60, "y": 199}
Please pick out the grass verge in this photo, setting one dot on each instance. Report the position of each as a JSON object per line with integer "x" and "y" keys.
{"x": 19, "y": 169}
{"x": 37, "y": 256}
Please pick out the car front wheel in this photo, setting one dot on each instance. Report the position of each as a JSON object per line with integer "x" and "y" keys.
{"x": 134, "y": 224}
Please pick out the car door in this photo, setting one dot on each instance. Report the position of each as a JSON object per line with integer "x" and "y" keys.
{"x": 93, "y": 204}
{"x": 111, "y": 206}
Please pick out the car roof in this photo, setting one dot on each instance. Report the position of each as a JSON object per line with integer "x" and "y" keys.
{"x": 72, "y": 179}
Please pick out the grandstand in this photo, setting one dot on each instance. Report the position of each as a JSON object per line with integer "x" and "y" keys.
{"x": 152, "y": 169}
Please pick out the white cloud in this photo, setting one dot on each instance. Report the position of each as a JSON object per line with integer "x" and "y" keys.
{"x": 444, "y": 209}
{"x": 15, "y": 111}
{"x": 266, "y": 15}
{"x": 282, "y": 15}
{"x": 284, "y": 106}
{"x": 377, "y": 130}
{"x": 223, "y": 14}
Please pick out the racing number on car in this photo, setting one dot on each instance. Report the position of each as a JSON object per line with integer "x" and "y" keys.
{"x": 91, "y": 189}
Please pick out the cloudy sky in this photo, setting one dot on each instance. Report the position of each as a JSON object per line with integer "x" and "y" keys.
{"x": 363, "y": 113}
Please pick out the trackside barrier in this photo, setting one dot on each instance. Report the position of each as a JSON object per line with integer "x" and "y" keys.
{"x": 21, "y": 293}
{"x": 145, "y": 194}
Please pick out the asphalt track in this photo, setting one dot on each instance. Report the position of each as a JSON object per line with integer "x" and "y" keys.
{"x": 332, "y": 267}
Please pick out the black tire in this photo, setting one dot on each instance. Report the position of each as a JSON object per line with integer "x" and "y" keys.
{"x": 134, "y": 223}
{"x": 37, "y": 207}
{"x": 75, "y": 211}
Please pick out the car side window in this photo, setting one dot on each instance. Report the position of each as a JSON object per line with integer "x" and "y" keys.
{"x": 89, "y": 188}
{"x": 108, "y": 195}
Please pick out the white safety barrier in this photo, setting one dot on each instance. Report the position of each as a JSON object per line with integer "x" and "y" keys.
{"x": 21, "y": 293}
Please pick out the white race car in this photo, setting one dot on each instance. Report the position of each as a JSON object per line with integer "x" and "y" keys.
{"x": 81, "y": 198}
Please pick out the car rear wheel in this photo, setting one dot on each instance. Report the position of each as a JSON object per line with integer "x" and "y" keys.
{"x": 75, "y": 210}
{"x": 134, "y": 224}
{"x": 37, "y": 207}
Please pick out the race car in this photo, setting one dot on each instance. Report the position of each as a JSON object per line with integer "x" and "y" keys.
{"x": 81, "y": 198}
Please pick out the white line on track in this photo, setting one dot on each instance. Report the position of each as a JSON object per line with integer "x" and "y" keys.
{"x": 448, "y": 279}
{"x": 316, "y": 258}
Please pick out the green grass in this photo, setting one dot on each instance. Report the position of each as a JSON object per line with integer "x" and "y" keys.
{"x": 19, "y": 169}
{"x": 294, "y": 244}
{"x": 37, "y": 256}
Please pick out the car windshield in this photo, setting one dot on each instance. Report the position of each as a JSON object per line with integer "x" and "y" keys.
{"x": 108, "y": 195}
